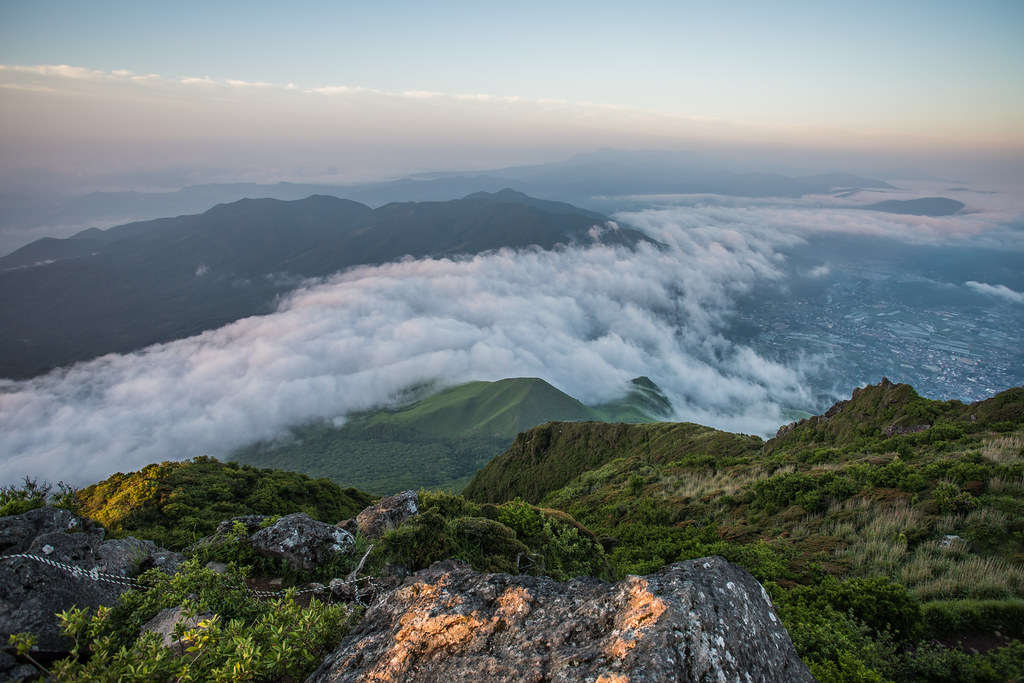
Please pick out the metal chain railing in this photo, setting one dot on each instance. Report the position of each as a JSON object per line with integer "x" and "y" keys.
{"x": 131, "y": 583}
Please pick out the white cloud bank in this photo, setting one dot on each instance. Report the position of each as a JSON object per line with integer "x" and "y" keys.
{"x": 1000, "y": 291}
{"x": 586, "y": 320}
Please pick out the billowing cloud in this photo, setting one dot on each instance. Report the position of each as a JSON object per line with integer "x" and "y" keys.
{"x": 586, "y": 320}
{"x": 1000, "y": 291}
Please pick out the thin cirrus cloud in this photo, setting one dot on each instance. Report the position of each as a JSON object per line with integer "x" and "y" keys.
{"x": 586, "y": 320}
{"x": 64, "y": 115}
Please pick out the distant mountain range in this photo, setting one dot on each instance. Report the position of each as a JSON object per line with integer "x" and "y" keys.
{"x": 579, "y": 180}
{"x": 134, "y": 285}
{"x": 441, "y": 440}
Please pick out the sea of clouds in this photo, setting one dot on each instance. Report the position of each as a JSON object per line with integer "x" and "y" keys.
{"x": 587, "y": 320}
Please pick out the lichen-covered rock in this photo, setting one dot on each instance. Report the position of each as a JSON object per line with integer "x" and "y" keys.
{"x": 701, "y": 620}
{"x": 166, "y": 561}
{"x": 301, "y": 541}
{"x": 388, "y": 514}
{"x": 124, "y": 556}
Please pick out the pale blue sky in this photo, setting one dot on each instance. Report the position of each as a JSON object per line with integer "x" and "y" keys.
{"x": 913, "y": 74}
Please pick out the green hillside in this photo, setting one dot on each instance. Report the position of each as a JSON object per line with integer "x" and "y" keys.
{"x": 442, "y": 440}
{"x": 490, "y": 409}
{"x": 550, "y": 456}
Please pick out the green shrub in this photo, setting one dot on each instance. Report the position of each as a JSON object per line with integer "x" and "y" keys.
{"x": 782, "y": 490}
{"x": 489, "y": 546}
{"x": 245, "y": 639}
{"x": 951, "y": 499}
{"x": 521, "y": 517}
{"x": 880, "y": 604}
{"x": 448, "y": 505}
{"x": 836, "y": 647}
{"x": 16, "y": 500}
{"x": 417, "y": 543}
{"x": 931, "y": 662}
{"x": 950, "y": 617}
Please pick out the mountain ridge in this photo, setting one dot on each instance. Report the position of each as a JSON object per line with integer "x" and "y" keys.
{"x": 143, "y": 283}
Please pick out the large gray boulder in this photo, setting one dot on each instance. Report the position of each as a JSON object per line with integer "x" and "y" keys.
{"x": 701, "y": 620}
{"x": 302, "y": 542}
{"x": 34, "y": 589}
{"x": 388, "y": 514}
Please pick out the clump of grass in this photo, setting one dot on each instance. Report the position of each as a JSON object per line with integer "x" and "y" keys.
{"x": 875, "y": 558}
{"x": 972, "y": 577}
{"x": 896, "y": 521}
{"x": 1006, "y": 487}
{"x": 1005, "y": 450}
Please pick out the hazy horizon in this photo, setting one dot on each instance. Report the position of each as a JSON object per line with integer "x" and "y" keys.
{"x": 136, "y": 96}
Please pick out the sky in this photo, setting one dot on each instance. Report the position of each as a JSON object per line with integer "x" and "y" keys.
{"x": 136, "y": 95}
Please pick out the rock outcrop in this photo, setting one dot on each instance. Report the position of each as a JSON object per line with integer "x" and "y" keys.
{"x": 302, "y": 542}
{"x": 701, "y": 620}
{"x": 32, "y": 592}
{"x": 388, "y": 514}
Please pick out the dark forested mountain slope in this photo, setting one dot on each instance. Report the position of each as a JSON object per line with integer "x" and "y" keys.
{"x": 134, "y": 285}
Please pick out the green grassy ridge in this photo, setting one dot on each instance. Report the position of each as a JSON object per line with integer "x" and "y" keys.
{"x": 886, "y": 410}
{"x": 442, "y": 440}
{"x": 877, "y": 418}
{"x": 550, "y": 456}
{"x": 500, "y": 409}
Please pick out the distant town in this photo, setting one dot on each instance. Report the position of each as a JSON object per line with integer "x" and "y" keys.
{"x": 868, "y": 327}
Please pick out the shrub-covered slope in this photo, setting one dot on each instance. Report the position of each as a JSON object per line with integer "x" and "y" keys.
{"x": 177, "y": 503}
{"x": 889, "y": 532}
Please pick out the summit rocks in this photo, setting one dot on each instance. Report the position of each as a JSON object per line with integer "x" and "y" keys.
{"x": 703, "y": 619}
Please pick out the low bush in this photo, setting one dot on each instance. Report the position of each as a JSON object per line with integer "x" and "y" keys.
{"x": 242, "y": 639}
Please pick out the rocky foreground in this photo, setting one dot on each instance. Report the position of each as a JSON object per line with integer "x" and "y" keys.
{"x": 704, "y": 619}
{"x": 700, "y": 620}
